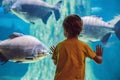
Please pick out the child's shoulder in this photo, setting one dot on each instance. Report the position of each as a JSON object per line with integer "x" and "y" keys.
{"x": 82, "y": 43}
{"x": 61, "y": 43}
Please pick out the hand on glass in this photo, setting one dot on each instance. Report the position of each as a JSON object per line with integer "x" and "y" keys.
{"x": 52, "y": 48}
{"x": 99, "y": 50}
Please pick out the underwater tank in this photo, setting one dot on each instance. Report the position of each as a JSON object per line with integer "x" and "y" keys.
{"x": 49, "y": 31}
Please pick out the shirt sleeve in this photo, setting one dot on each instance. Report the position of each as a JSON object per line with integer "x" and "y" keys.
{"x": 89, "y": 52}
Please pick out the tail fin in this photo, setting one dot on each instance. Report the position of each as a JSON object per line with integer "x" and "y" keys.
{"x": 45, "y": 18}
{"x": 117, "y": 29}
{"x": 56, "y": 10}
{"x": 3, "y": 59}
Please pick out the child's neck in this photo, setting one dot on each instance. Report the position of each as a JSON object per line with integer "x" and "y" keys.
{"x": 75, "y": 37}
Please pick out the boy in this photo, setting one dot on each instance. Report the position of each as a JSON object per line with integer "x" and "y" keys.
{"x": 69, "y": 55}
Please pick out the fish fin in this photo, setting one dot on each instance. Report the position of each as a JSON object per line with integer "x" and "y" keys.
{"x": 117, "y": 29}
{"x": 3, "y": 59}
{"x": 58, "y": 5}
{"x": 18, "y": 61}
{"x": 15, "y": 34}
{"x": 56, "y": 10}
{"x": 57, "y": 14}
{"x": 29, "y": 58}
{"x": 25, "y": 13}
{"x": 105, "y": 38}
{"x": 45, "y": 18}
{"x": 32, "y": 22}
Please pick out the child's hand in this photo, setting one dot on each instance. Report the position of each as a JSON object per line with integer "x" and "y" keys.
{"x": 99, "y": 50}
{"x": 52, "y": 48}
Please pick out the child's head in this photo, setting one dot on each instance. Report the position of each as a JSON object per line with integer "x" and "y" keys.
{"x": 72, "y": 25}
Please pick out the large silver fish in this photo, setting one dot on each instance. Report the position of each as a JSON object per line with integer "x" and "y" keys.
{"x": 95, "y": 29}
{"x": 22, "y": 49}
{"x": 32, "y": 10}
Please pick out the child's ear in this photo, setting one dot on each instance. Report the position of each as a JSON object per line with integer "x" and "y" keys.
{"x": 65, "y": 33}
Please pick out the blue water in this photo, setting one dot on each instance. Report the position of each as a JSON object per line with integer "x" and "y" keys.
{"x": 52, "y": 33}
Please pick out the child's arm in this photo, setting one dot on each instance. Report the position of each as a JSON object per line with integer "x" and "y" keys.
{"x": 99, "y": 52}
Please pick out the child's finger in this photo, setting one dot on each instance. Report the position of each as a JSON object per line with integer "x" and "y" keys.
{"x": 52, "y": 48}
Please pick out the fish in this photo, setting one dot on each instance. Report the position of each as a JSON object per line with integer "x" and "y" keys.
{"x": 32, "y": 10}
{"x": 20, "y": 48}
{"x": 95, "y": 29}
{"x": 6, "y": 5}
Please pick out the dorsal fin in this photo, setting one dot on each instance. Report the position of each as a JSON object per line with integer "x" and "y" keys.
{"x": 15, "y": 34}
{"x": 30, "y": 58}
